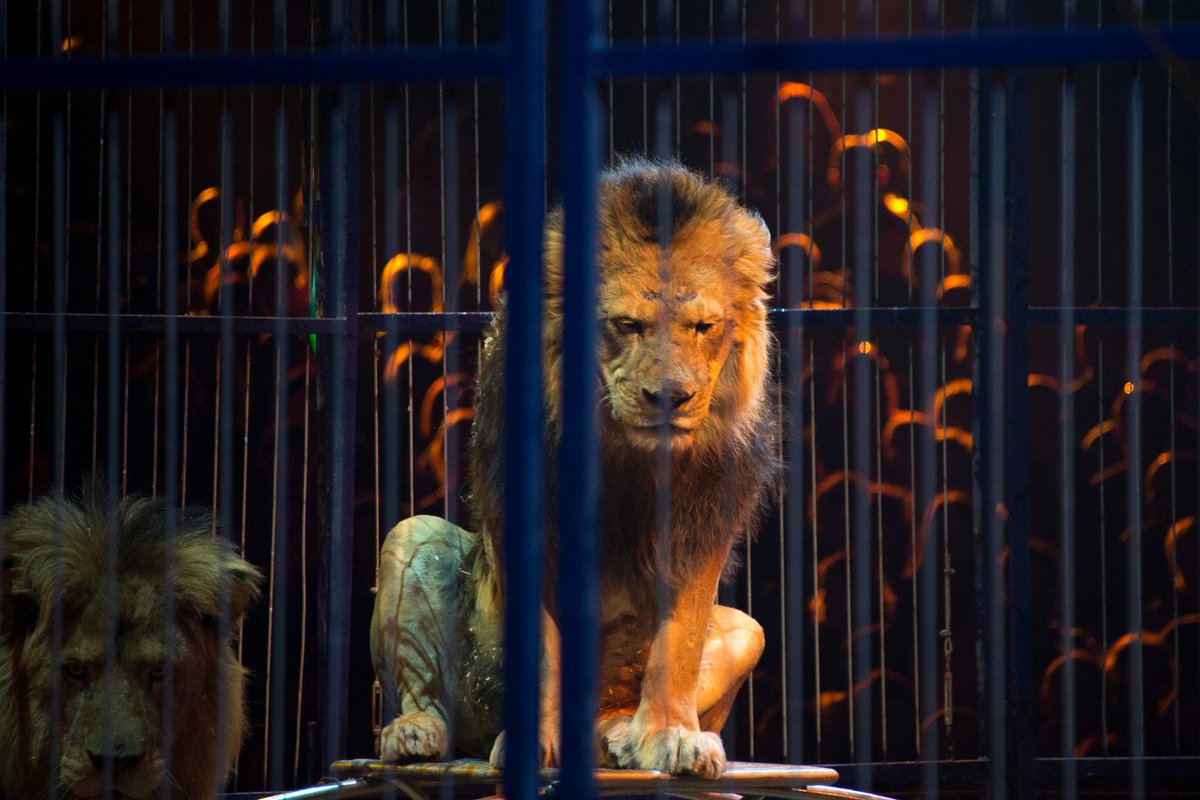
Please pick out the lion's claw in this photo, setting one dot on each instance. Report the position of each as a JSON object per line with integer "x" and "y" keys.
{"x": 419, "y": 736}
{"x": 673, "y": 749}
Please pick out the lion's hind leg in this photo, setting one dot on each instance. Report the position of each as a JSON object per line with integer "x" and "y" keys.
{"x": 414, "y": 634}
{"x": 731, "y": 651}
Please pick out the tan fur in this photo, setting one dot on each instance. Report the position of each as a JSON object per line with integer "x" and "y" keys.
{"x": 683, "y": 353}
{"x": 57, "y": 547}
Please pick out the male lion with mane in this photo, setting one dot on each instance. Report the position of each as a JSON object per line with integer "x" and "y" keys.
{"x": 683, "y": 355}
{"x": 111, "y": 709}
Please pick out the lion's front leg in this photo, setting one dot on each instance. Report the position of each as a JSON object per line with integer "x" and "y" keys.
{"x": 414, "y": 634}
{"x": 549, "y": 714}
{"x": 664, "y": 733}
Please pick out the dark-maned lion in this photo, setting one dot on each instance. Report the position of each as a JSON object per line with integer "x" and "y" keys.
{"x": 684, "y": 356}
{"x": 112, "y": 709}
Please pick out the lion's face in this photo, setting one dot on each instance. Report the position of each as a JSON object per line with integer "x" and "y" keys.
{"x": 111, "y": 673}
{"x": 665, "y": 338}
{"x": 112, "y": 712}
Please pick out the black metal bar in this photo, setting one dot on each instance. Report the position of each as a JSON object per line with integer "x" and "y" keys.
{"x": 989, "y": 401}
{"x": 281, "y": 592}
{"x": 1068, "y": 778}
{"x": 3, "y": 276}
{"x": 1017, "y": 447}
{"x": 578, "y": 456}
{"x": 1133, "y": 599}
{"x": 524, "y": 204}
{"x": 476, "y": 321}
{"x": 339, "y": 244}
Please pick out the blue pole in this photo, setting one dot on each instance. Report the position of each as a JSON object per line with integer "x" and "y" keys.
{"x": 579, "y": 456}
{"x": 524, "y": 205}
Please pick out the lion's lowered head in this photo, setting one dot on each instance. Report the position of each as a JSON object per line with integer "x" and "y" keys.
{"x": 683, "y": 333}
{"x": 114, "y": 672}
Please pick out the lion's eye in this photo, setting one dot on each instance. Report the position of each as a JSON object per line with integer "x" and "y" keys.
{"x": 703, "y": 327}
{"x": 75, "y": 672}
{"x": 629, "y": 326}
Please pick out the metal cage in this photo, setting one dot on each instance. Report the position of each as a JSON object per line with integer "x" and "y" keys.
{"x": 247, "y": 255}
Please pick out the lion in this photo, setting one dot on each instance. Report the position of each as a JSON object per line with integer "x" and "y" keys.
{"x": 683, "y": 353}
{"x": 112, "y": 709}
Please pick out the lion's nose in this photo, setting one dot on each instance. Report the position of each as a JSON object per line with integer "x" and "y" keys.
{"x": 677, "y": 397}
{"x": 121, "y": 760}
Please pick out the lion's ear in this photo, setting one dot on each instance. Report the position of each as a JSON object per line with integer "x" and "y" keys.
{"x": 755, "y": 261}
{"x": 245, "y": 585}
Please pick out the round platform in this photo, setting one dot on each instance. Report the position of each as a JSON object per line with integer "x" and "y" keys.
{"x": 373, "y": 778}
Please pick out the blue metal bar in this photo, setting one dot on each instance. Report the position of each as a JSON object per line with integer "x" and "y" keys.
{"x": 390, "y": 65}
{"x": 1068, "y": 780}
{"x": 524, "y": 204}
{"x": 3, "y": 268}
{"x": 172, "y": 421}
{"x": 340, "y": 244}
{"x": 1010, "y": 48}
{"x": 280, "y": 539}
{"x": 1021, "y": 734}
{"x": 989, "y": 428}
{"x": 578, "y": 453}
{"x": 226, "y": 372}
{"x": 1133, "y": 496}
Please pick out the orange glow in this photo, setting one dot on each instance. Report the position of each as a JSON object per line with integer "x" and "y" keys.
{"x": 496, "y": 282}
{"x": 1128, "y": 388}
{"x": 896, "y": 204}
{"x": 864, "y": 347}
{"x": 398, "y": 264}
{"x": 791, "y": 89}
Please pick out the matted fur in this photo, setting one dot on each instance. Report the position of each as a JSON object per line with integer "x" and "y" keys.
{"x": 58, "y": 547}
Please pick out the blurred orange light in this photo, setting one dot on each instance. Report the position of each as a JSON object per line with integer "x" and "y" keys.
{"x": 864, "y": 347}
{"x": 1128, "y": 387}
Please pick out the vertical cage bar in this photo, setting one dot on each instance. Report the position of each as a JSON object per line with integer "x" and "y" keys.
{"x": 990, "y": 401}
{"x": 171, "y": 378}
{"x": 226, "y": 372}
{"x": 451, "y": 269}
{"x": 578, "y": 456}
{"x": 281, "y": 592}
{"x": 4, "y": 118}
{"x": 112, "y": 235}
{"x": 1020, "y": 626}
{"x": 524, "y": 204}
{"x": 792, "y": 191}
{"x": 1068, "y": 780}
{"x": 924, "y": 485}
{"x": 1133, "y": 497}
{"x": 57, "y": 481}
{"x": 858, "y": 555}
{"x": 339, "y": 384}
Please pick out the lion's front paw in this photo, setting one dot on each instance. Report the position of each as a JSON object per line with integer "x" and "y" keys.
{"x": 673, "y": 749}
{"x": 419, "y": 736}
{"x": 547, "y": 750}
